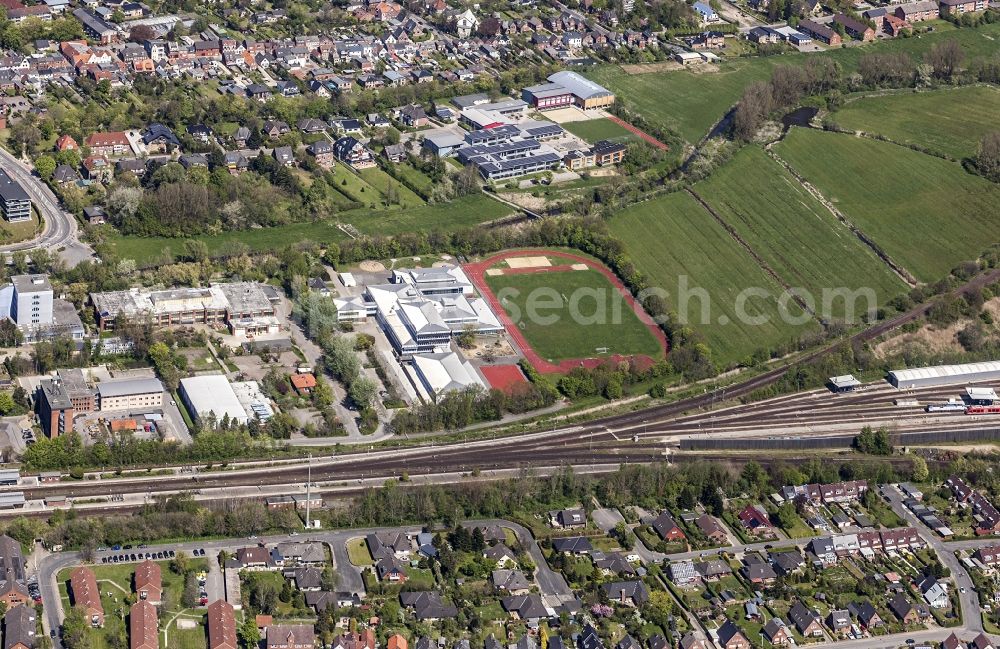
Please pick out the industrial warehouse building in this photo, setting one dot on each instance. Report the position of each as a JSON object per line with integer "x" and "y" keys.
{"x": 212, "y": 394}
{"x": 923, "y": 377}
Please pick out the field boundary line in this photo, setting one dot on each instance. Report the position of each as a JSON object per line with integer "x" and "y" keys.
{"x": 639, "y": 132}
{"x": 897, "y": 268}
{"x": 731, "y": 231}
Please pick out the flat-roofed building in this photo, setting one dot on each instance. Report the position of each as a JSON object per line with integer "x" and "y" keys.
{"x": 128, "y": 394}
{"x": 212, "y": 395}
{"x": 14, "y": 201}
{"x": 55, "y": 409}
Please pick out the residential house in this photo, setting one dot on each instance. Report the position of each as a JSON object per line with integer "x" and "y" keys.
{"x": 957, "y": 7}
{"x": 284, "y": 155}
{"x": 148, "y": 582}
{"x": 395, "y": 153}
{"x": 512, "y": 582}
{"x": 731, "y": 637}
{"x": 572, "y": 545}
{"x": 903, "y": 609}
{"x": 351, "y": 151}
{"x": 501, "y": 555}
{"x": 569, "y": 518}
{"x": 630, "y": 593}
{"x": 322, "y": 152}
{"x": 391, "y": 570}
{"x": 712, "y": 529}
{"x": 113, "y": 143}
{"x": 839, "y": 622}
{"x": 527, "y": 608}
{"x": 821, "y": 32}
{"x": 755, "y": 519}
{"x": 667, "y": 528}
{"x": 221, "y": 625}
{"x": 86, "y": 595}
{"x": 427, "y": 606}
{"x": 867, "y": 616}
{"x": 19, "y": 624}
{"x": 777, "y": 633}
{"x": 682, "y": 573}
{"x": 855, "y": 27}
{"x": 935, "y": 592}
{"x": 144, "y": 630}
{"x": 276, "y": 128}
{"x": 290, "y": 636}
{"x": 805, "y": 621}
{"x": 159, "y": 139}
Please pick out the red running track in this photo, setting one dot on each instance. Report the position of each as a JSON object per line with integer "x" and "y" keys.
{"x": 643, "y": 134}
{"x": 477, "y": 274}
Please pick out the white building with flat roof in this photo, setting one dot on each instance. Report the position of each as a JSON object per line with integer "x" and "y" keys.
{"x": 130, "y": 394}
{"x": 440, "y": 373}
{"x": 212, "y": 394}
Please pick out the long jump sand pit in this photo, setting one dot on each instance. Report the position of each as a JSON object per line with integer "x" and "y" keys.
{"x": 539, "y": 261}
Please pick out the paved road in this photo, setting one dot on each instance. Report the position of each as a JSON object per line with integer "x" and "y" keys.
{"x": 59, "y": 233}
{"x": 552, "y": 585}
{"x": 972, "y": 619}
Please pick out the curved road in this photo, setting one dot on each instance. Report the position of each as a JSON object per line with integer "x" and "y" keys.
{"x": 60, "y": 228}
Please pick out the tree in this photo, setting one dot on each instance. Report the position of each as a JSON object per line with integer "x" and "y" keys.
{"x": 753, "y": 109}
{"x": 75, "y": 630}
{"x": 944, "y": 58}
{"x": 467, "y": 339}
{"x": 873, "y": 442}
{"x": 988, "y": 156}
{"x": 141, "y": 34}
{"x": 6, "y": 403}
{"x": 920, "y": 472}
{"x": 45, "y": 165}
{"x": 363, "y": 392}
{"x": 248, "y": 632}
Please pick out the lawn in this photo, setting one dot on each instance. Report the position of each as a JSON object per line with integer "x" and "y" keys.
{"x": 593, "y": 130}
{"x": 354, "y": 187}
{"x": 927, "y": 119}
{"x": 927, "y": 213}
{"x": 414, "y": 177}
{"x": 358, "y": 552}
{"x": 682, "y": 250}
{"x": 690, "y": 102}
{"x": 381, "y": 181}
{"x": 464, "y": 212}
{"x": 571, "y": 314}
{"x": 14, "y": 232}
{"x": 795, "y": 235}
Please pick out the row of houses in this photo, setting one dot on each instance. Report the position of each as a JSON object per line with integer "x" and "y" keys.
{"x": 985, "y": 514}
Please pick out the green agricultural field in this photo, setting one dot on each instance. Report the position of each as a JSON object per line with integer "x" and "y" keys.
{"x": 691, "y": 102}
{"x": 614, "y": 325}
{"x": 593, "y": 130}
{"x": 927, "y": 213}
{"x": 464, "y": 212}
{"x": 794, "y": 234}
{"x": 673, "y": 237}
{"x": 947, "y": 121}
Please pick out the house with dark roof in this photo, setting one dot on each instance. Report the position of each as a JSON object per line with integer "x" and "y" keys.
{"x": 589, "y": 639}
{"x": 527, "y": 608}
{"x": 427, "y": 605}
{"x": 390, "y": 569}
{"x": 777, "y": 633}
{"x": 159, "y": 139}
{"x": 19, "y": 624}
{"x": 630, "y": 593}
{"x": 667, "y": 527}
{"x": 572, "y": 545}
{"x": 284, "y": 155}
{"x": 805, "y": 621}
{"x": 512, "y": 582}
{"x": 731, "y": 637}
{"x": 568, "y": 519}
{"x": 351, "y": 151}
{"x": 712, "y": 529}
{"x": 501, "y": 555}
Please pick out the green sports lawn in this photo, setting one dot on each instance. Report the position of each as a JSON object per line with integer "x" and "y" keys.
{"x": 593, "y": 130}
{"x": 691, "y": 102}
{"x": 794, "y": 233}
{"x": 617, "y": 329}
{"x": 673, "y": 236}
{"x": 927, "y": 213}
{"x": 946, "y": 121}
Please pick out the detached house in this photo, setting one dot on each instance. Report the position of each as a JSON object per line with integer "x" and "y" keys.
{"x": 322, "y": 152}
{"x": 667, "y": 528}
{"x": 350, "y": 150}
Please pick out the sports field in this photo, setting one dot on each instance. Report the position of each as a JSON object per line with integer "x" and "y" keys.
{"x": 947, "y": 121}
{"x": 794, "y": 234}
{"x": 593, "y": 130}
{"x": 673, "y": 239}
{"x": 556, "y": 330}
{"x": 691, "y": 101}
{"x": 927, "y": 213}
